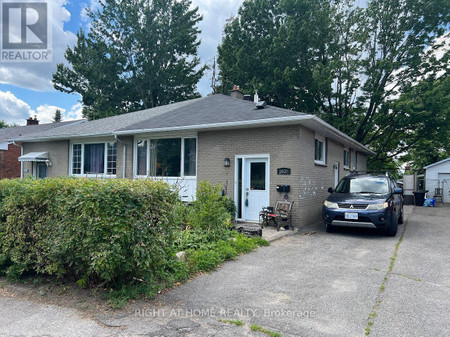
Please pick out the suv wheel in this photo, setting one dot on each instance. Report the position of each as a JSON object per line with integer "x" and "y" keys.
{"x": 400, "y": 218}
{"x": 392, "y": 230}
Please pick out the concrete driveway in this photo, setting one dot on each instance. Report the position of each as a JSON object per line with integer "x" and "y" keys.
{"x": 352, "y": 283}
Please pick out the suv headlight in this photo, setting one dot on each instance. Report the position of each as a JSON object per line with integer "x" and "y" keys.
{"x": 378, "y": 207}
{"x": 329, "y": 204}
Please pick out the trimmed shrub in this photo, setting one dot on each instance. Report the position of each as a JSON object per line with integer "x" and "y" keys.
{"x": 98, "y": 231}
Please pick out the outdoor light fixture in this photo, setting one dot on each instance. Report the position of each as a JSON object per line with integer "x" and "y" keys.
{"x": 227, "y": 162}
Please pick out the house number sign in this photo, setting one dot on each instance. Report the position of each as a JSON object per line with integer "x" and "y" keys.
{"x": 283, "y": 171}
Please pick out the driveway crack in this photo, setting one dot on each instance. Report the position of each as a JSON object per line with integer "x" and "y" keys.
{"x": 379, "y": 299}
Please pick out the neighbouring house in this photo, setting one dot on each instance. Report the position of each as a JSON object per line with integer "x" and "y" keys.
{"x": 437, "y": 175}
{"x": 10, "y": 167}
{"x": 259, "y": 154}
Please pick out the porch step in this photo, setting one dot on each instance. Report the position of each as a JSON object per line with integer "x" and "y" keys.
{"x": 249, "y": 228}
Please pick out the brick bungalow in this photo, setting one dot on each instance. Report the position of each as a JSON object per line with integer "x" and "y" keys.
{"x": 253, "y": 150}
{"x": 10, "y": 167}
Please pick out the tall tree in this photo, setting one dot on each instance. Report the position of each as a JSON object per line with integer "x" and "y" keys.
{"x": 3, "y": 124}
{"x": 332, "y": 58}
{"x": 137, "y": 54}
{"x": 425, "y": 110}
{"x": 58, "y": 117}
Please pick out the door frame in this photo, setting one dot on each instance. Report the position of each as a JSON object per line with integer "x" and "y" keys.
{"x": 245, "y": 157}
{"x": 35, "y": 168}
{"x": 336, "y": 171}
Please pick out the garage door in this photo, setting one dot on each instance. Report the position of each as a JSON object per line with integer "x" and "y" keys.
{"x": 444, "y": 179}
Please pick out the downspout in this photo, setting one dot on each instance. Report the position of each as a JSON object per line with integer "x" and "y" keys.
{"x": 124, "y": 156}
{"x": 21, "y": 154}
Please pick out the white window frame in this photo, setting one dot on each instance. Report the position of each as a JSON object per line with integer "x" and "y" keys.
{"x": 355, "y": 161}
{"x": 324, "y": 150}
{"x": 91, "y": 175}
{"x": 149, "y": 139}
{"x": 347, "y": 167}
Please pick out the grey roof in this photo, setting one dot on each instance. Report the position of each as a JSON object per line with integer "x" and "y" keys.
{"x": 437, "y": 163}
{"x": 211, "y": 112}
{"x": 215, "y": 109}
{"x": 20, "y": 131}
{"x": 107, "y": 126}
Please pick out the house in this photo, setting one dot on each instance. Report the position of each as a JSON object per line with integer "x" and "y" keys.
{"x": 10, "y": 167}
{"x": 259, "y": 155}
{"x": 437, "y": 175}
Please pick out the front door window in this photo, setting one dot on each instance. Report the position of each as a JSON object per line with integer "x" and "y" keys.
{"x": 258, "y": 176}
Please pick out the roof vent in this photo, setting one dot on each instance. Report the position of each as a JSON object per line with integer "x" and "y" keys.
{"x": 261, "y": 105}
{"x": 248, "y": 98}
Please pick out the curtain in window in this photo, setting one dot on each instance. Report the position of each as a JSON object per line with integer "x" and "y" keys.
{"x": 153, "y": 157}
{"x": 142, "y": 158}
{"x": 190, "y": 156}
{"x": 94, "y": 158}
{"x": 165, "y": 157}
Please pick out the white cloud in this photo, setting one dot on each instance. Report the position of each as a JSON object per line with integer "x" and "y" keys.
{"x": 76, "y": 112}
{"x": 13, "y": 109}
{"x": 46, "y": 113}
{"x": 38, "y": 76}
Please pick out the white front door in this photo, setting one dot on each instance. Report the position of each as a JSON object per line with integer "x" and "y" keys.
{"x": 256, "y": 187}
{"x": 336, "y": 173}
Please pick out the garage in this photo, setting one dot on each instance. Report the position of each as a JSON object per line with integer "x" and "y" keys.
{"x": 437, "y": 180}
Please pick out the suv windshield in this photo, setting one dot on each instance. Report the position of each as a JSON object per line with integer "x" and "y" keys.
{"x": 376, "y": 185}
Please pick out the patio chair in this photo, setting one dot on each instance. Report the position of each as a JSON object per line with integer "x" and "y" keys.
{"x": 438, "y": 195}
{"x": 280, "y": 215}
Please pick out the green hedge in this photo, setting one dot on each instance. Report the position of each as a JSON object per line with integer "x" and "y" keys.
{"x": 98, "y": 231}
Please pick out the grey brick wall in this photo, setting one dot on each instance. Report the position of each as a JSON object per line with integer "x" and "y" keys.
{"x": 58, "y": 154}
{"x": 291, "y": 147}
{"x": 128, "y": 141}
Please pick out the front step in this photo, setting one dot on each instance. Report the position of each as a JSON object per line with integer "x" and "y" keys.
{"x": 249, "y": 229}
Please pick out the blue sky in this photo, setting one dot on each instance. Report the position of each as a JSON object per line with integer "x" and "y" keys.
{"x": 26, "y": 89}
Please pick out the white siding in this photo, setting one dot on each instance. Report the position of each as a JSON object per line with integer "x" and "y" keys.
{"x": 438, "y": 176}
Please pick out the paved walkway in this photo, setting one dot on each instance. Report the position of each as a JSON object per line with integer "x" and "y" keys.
{"x": 351, "y": 283}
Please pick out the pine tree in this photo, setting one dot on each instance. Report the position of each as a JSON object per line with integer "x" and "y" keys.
{"x": 57, "y": 118}
{"x": 137, "y": 55}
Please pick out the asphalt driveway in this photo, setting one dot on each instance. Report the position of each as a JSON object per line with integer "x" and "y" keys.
{"x": 350, "y": 283}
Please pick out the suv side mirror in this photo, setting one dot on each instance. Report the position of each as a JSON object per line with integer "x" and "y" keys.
{"x": 398, "y": 190}
{"x": 330, "y": 190}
